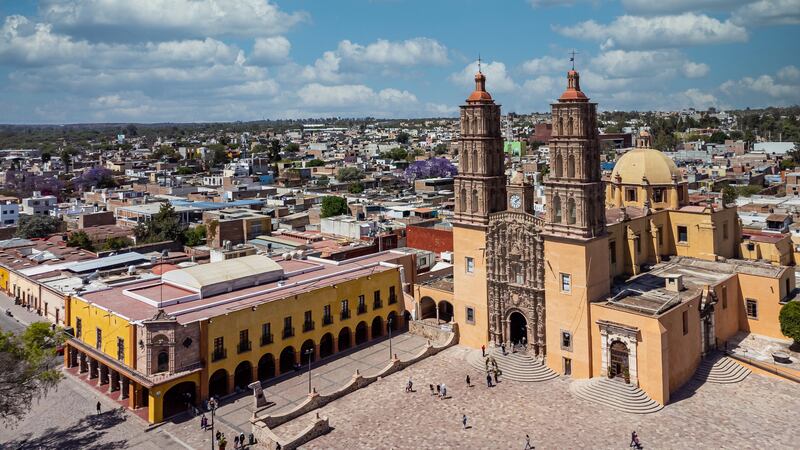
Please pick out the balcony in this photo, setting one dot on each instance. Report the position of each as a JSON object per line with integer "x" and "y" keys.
{"x": 288, "y": 332}
{"x": 244, "y": 346}
{"x": 377, "y": 304}
{"x": 345, "y": 314}
{"x": 219, "y": 354}
{"x": 327, "y": 320}
{"x": 362, "y": 309}
{"x": 266, "y": 339}
{"x": 308, "y": 325}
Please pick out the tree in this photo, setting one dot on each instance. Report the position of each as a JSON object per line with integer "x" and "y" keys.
{"x": 402, "y": 138}
{"x": 37, "y": 226}
{"x": 789, "y": 318}
{"x": 333, "y": 206}
{"x": 349, "y": 174}
{"x": 440, "y": 149}
{"x": 748, "y": 191}
{"x": 29, "y": 368}
{"x": 315, "y": 163}
{"x": 66, "y": 156}
{"x": 98, "y": 177}
{"x": 291, "y": 148}
{"x": 430, "y": 168}
{"x": 729, "y": 194}
{"x": 164, "y": 151}
{"x": 718, "y": 137}
{"x": 356, "y": 188}
{"x": 217, "y": 155}
{"x": 323, "y": 180}
{"x": 80, "y": 239}
{"x": 117, "y": 243}
{"x": 396, "y": 154}
{"x": 195, "y": 236}
{"x": 46, "y": 156}
{"x": 165, "y": 225}
{"x": 184, "y": 170}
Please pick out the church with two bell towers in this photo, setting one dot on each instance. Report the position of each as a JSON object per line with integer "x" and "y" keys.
{"x": 619, "y": 278}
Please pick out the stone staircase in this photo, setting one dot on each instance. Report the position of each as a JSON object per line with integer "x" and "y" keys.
{"x": 615, "y": 394}
{"x": 514, "y": 366}
{"x": 718, "y": 368}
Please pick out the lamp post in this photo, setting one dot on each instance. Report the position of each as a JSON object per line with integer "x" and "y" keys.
{"x": 212, "y": 405}
{"x": 389, "y": 325}
{"x": 309, "y": 353}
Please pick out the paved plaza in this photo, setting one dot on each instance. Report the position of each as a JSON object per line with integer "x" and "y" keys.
{"x": 759, "y": 412}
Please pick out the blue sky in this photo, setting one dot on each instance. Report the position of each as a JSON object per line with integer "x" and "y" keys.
{"x": 66, "y": 61}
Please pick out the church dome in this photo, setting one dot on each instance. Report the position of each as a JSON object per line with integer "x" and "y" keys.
{"x": 480, "y": 94}
{"x": 641, "y": 163}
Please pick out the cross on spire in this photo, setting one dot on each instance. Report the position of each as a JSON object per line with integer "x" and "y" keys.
{"x": 479, "y": 62}
{"x": 572, "y": 58}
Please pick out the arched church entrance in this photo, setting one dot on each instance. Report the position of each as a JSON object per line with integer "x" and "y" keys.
{"x": 445, "y": 311}
{"x": 518, "y": 328}
{"x": 619, "y": 359}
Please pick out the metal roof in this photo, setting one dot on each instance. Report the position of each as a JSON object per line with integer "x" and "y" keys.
{"x": 106, "y": 262}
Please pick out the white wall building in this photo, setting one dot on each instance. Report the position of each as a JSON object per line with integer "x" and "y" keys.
{"x": 39, "y": 204}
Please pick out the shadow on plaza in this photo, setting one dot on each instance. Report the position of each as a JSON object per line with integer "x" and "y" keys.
{"x": 83, "y": 434}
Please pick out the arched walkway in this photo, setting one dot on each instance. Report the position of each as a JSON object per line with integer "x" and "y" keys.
{"x": 517, "y": 327}
{"x": 326, "y": 345}
{"x": 445, "y": 311}
{"x": 619, "y": 359}
{"x": 218, "y": 383}
{"x": 377, "y": 327}
{"x": 243, "y": 375}
{"x": 178, "y": 397}
{"x": 266, "y": 367}
{"x": 287, "y": 359}
{"x": 307, "y": 351}
{"x": 391, "y": 321}
{"x": 427, "y": 308}
{"x": 361, "y": 333}
{"x": 344, "y": 339}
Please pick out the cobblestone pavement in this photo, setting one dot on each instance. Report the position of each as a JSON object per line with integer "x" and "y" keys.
{"x": 756, "y": 413}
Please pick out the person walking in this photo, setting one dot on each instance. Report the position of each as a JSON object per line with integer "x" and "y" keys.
{"x": 203, "y": 422}
{"x": 464, "y": 421}
{"x": 528, "y": 445}
{"x": 439, "y": 389}
{"x": 635, "y": 441}
{"x": 483, "y": 351}
{"x": 236, "y": 442}
{"x": 503, "y": 346}
{"x": 98, "y": 408}
{"x": 241, "y": 440}
{"x": 431, "y": 386}
{"x": 495, "y": 377}
{"x": 468, "y": 383}
{"x": 444, "y": 391}
{"x": 488, "y": 379}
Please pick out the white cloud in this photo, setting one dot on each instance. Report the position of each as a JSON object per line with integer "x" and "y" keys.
{"x": 789, "y": 73}
{"x": 634, "y": 32}
{"x": 270, "y": 50}
{"x": 674, "y": 6}
{"x": 545, "y": 64}
{"x": 695, "y": 70}
{"x": 325, "y": 69}
{"x": 497, "y": 78}
{"x": 781, "y": 92}
{"x": 410, "y": 52}
{"x": 695, "y": 98}
{"x": 126, "y": 19}
{"x": 346, "y": 96}
{"x": 768, "y": 12}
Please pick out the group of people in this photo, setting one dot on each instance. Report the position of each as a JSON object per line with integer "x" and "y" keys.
{"x": 222, "y": 441}
{"x": 441, "y": 390}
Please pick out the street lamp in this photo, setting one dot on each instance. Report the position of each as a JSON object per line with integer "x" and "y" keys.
{"x": 212, "y": 405}
{"x": 309, "y": 353}
{"x": 389, "y": 324}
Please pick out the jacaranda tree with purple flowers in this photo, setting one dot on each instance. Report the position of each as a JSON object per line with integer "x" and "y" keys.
{"x": 430, "y": 168}
{"x": 98, "y": 177}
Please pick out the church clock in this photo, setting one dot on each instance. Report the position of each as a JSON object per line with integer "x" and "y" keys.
{"x": 516, "y": 201}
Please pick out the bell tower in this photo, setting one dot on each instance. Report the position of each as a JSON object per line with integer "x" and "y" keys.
{"x": 575, "y": 239}
{"x": 480, "y": 189}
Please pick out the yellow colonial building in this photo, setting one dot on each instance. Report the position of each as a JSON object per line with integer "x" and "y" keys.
{"x": 210, "y": 330}
{"x": 619, "y": 278}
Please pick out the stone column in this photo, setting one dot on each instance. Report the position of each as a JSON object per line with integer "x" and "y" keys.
{"x": 93, "y": 370}
{"x": 84, "y": 364}
{"x": 352, "y": 338}
{"x": 254, "y": 368}
{"x": 125, "y": 387}
{"x": 316, "y": 352}
{"x": 603, "y": 353}
{"x": 113, "y": 385}
{"x": 632, "y": 365}
{"x": 507, "y": 333}
{"x": 103, "y": 379}
{"x": 335, "y": 344}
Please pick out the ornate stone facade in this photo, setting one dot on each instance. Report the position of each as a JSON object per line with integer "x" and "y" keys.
{"x": 515, "y": 252}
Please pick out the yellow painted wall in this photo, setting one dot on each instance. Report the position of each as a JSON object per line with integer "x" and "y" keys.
{"x": 587, "y": 263}
{"x": 4, "y": 278}
{"x": 768, "y": 292}
{"x": 155, "y": 400}
{"x": 779, "y": 253}
{"x": 229, "y": 325}
{"x": 682, "y": 351}
{"x": 470, "y": 289}
{"x": 727, "y": 311}
{"x": 112, "y": 326}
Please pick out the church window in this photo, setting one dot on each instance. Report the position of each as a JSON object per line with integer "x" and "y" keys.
{"x": 162, "y": 362}
{"x": 78, "y": 328}
{"x": 569, "y": 126}
{"x": 685, "y": 323}
{"x": 465, "y": 161}
{"x": 474, "y": 200}
{"x": 566, "y": 340}
{"x": 571, "y": 211}
{"x": 683, "y": 233}
{"x": 470, "y": 315}
{"x": 571, "y": 166}
{"x": 519, "y": 275}
{"x": 120, "y": 349}
{"x": 658, "y": 195}
{"x": 752, "y": 308}
{"x": 630, "y": 194}
{"x": 470, "y": 264}
{"x": 463, "y": 201}
{"x": 566, "y": 282}
{"x": 475, "y": 161}
{"x": 556, "y": 209}
{"x": 612, "y": 251}
{"x": 558, "y": 165}
{"x": 560, "y": 125}
{"x": 99, "y": 339}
